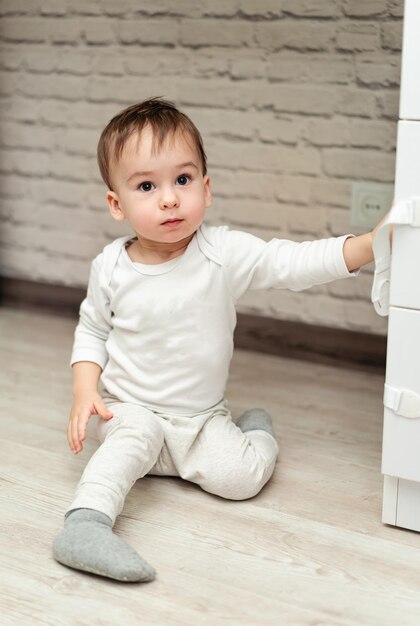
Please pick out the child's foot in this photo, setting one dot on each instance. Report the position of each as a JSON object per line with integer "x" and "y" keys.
{"x": 87, "y": 543}
{"x": 256, "y": 419}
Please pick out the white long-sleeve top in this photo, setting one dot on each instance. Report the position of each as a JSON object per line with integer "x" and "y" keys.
{"x": 163, "y": 334}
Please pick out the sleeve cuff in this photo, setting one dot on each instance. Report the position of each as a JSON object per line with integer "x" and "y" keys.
{"x": 100, "y": 358}
{"x": 342, "y": 267}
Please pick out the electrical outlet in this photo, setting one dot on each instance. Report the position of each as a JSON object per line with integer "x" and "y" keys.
{"x": 369, "y": 203}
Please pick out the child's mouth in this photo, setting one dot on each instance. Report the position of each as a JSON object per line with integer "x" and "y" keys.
{"x": 172, "y": 223}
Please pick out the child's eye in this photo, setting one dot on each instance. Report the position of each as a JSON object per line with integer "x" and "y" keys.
{"x": 183, "y": 179}
{"x": 146, "y": 186}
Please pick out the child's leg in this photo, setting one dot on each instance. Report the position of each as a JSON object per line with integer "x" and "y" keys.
{"x": 131, "y": 443}
{"x": 256, "y": 419}
{"x": 233, "y": 461}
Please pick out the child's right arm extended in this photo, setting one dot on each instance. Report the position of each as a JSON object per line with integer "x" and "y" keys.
{"x": 86, "y": 402}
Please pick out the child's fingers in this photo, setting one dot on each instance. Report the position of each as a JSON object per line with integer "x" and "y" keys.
{"x": 102, "y": 411}
{"x": 76, "y": 431}
{"x": 81, "y": 426}
{"x": 70, "y": 433}
{"x": 69, "y": 438}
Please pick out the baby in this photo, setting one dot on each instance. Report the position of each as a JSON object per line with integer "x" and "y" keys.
{"x": 154, "y": 340}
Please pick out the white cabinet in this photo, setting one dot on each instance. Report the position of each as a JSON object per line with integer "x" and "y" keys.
{"x": 405, "y": 268}
{"x": 401, "y": 505}
{"x": 401, "y": 440}
{"x": 407, "y": 167}
{"x": 410, "y": 67}
{"x": 401, "y": 436}
{"x": 405, "y": 273}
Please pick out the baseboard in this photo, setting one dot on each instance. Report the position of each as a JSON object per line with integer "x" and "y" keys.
{"x": 26, "y": 294}
{"x": 320, "y": 344}
{"x": 342, "y": 348}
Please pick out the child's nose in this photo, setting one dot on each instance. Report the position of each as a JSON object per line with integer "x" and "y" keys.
{"x": 169, "y": 200}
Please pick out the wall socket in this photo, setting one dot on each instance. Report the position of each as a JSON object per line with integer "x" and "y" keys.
{"x": 369, "y": 203}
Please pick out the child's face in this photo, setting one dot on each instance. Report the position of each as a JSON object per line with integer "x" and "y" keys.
{"x": 151, "y": 189}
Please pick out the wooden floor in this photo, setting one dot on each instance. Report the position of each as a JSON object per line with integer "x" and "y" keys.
{"x": 310, "y": 549}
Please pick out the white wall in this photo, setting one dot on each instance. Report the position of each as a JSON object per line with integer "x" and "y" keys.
{"x": 295, "y": 99}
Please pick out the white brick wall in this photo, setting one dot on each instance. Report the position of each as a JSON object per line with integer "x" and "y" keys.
{"x": 295, "y": 99}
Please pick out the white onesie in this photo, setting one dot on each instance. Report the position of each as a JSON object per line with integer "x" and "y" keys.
{"x": 163, "y": 334}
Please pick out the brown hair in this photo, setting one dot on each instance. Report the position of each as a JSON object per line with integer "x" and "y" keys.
{"x": 163, "y": 118}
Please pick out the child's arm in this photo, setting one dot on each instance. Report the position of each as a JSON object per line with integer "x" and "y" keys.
{"x": 252, "y": 263}
{"x": 89, "y": 357}
{"x": 86, "y": 402}
{"x": 358, "y": 251}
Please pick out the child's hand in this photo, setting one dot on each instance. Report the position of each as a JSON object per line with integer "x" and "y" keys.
{"x": 84, "y": 405}
{"x": 377, "y": 227}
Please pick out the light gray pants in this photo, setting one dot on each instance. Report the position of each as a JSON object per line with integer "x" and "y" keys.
{"x": 207, "y": 449}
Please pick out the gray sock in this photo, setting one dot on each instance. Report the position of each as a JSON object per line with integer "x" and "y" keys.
{"x": 256, "y": 419}
{"x": 87, "y": 543}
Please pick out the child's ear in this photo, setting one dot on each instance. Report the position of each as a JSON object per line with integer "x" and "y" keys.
{"x": 114, "y": 206}
{"x": 207, "y": 191}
